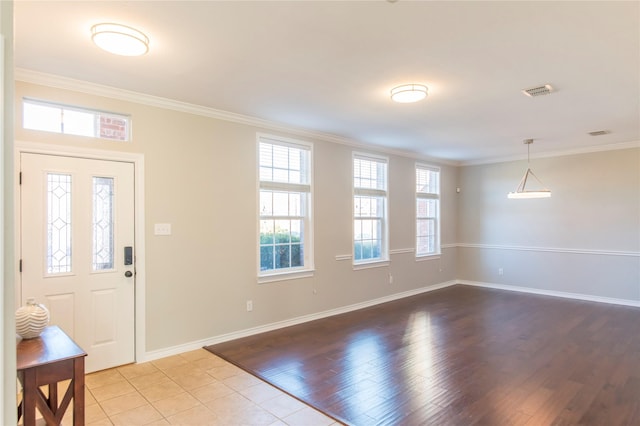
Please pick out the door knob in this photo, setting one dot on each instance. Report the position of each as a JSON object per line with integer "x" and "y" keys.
{"x": 128, "y": 274}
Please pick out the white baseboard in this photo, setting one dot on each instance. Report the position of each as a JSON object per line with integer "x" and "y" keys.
{"x": 191, "y": 346}
{"x": 566, "y": 295}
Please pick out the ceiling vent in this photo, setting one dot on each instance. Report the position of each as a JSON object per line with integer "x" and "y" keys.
{"x": 538, "y": 91}
{"x": 599, "y": 133}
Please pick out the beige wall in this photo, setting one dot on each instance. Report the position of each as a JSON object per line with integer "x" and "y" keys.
{"x": 585, "y": 239}
{"x": 200, "y": 176}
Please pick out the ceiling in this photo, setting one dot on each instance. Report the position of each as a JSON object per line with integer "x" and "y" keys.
{"x": 328, "y": 67}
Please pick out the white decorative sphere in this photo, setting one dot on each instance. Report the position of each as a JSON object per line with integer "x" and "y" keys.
{"x": 31, "y": 319}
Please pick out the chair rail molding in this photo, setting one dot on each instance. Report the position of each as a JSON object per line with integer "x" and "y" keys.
{"x": 551, "y": 249}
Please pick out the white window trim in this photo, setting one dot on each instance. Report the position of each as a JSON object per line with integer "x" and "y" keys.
{"x": 431, "y": 256}
{"x": 369, "y": 265}
{"x": 384, "y": 259}
{"x": 308, "y": 269}
{"x": 287, "y": 275}
{"x": 428, "y": 196}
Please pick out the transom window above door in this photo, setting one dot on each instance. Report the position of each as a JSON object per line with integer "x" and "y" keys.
{"x": 72, "y": 120}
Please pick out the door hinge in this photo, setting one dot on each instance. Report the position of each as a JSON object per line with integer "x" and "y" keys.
{"x": 20, "y": 266}
{"x": 20, "y": 178}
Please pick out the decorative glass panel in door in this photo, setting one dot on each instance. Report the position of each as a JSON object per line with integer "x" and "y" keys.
{"x": 58, "y": 223}
{"x": 102, "y": 223}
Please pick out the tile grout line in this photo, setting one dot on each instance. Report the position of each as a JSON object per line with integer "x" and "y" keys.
{"x": 238, "y": 390}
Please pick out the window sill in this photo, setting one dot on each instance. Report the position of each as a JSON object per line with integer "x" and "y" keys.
{"x": 284, "y": 276}
{"x": 424, "y": 257}
{"x": 369, "y": 265}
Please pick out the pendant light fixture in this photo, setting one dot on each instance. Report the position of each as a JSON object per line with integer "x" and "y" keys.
{"x": 120, "y": 39}
{"x": 522, "y": 191}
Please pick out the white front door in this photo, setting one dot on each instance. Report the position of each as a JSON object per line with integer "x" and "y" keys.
{"x": 77, "y": 250}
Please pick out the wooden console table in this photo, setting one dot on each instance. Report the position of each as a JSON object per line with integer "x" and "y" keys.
{"x": 46, "y": 360}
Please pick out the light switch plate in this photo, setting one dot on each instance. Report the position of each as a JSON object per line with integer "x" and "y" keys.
{"x": 162, "y": 229}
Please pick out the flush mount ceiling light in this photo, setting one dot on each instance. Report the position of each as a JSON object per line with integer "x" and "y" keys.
{"x": 522, "y": 191}
{"x": 120, "y": 39}
{"x": 409, "y": 93}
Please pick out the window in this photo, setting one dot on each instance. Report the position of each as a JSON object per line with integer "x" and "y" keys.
{"x": 103, "y": 256}
{"x": 427, "y": 210}
{"x": 369, "y": 209}
{"x": 58, "y": 223}
{"x": 51, "y": 117}
{"x": 285, "y": 206}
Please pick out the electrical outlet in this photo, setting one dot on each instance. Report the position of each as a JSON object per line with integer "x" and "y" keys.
{"x": 500, "y": 271}
{"x": 390, "y": 279}
{"x": 249, "y": 305}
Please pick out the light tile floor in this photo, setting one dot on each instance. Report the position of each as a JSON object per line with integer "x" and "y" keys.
{"x": 193, "y": 388}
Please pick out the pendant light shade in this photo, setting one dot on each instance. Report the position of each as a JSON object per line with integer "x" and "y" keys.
{"x": 522, "y": 191}
{"x": 409, "y": 93}
{"x": 120, "y": 39}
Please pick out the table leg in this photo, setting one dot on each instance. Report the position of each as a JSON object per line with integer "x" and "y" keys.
{"x": 78, "y": 392}
{"x": 53, "y": 397}
{"x": 29, "y": 390}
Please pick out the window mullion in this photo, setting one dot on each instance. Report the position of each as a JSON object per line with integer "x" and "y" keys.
{"x": 427, "y": 196}
{"x": 284, "y": 187}
{"x": 267, "y": 217}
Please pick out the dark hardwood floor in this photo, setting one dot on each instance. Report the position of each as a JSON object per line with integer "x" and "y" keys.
{"x": 459, "y": 356}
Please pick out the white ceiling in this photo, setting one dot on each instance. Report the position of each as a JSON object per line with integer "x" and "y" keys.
{"x": 328, "y": 66}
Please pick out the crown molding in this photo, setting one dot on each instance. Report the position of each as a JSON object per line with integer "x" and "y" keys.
{"x": 549, "y": 154}
{"x": 59, "y": 82}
